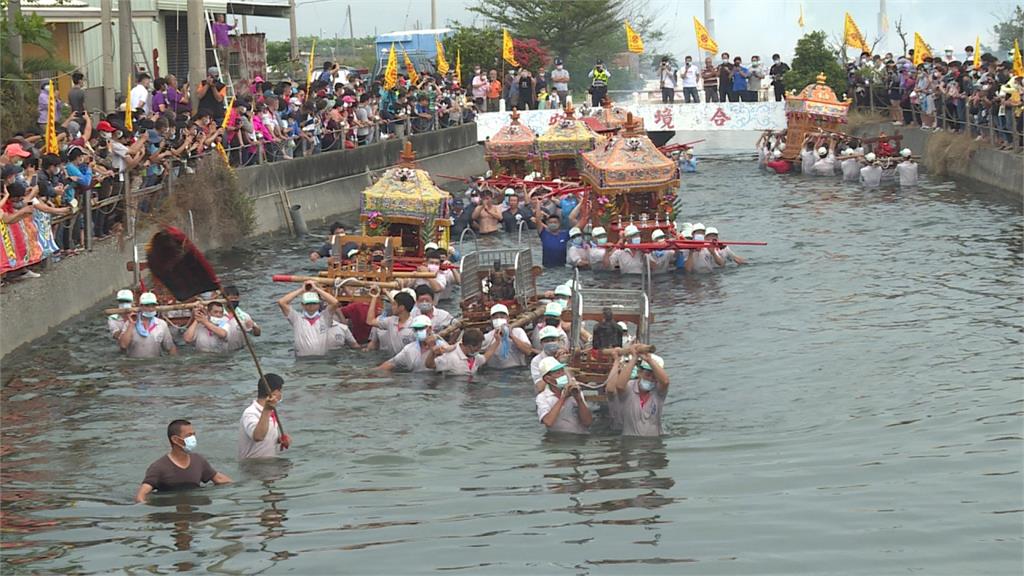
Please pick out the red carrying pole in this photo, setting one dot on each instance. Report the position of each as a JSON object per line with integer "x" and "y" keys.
{"x": 680, "y": 245}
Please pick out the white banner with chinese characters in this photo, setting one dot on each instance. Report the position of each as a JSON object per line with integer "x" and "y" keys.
{"x": 660, "y": 117}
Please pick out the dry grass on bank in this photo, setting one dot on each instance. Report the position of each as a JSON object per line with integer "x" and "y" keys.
{"x": 945, "y": 150}
{"x": 221, "y": 210}
{"x": 858, "y": 119}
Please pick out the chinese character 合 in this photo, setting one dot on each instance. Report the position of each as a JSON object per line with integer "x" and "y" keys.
{"x": 555, "y": 119}
{"x": 664, "y": 117}
{"x": 720, "y": 117}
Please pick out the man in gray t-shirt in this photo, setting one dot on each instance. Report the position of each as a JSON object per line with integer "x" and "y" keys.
{"x": 638, "y": 401}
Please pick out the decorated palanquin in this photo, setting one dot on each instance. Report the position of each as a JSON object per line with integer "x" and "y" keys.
{"x": 612, "y": 116}
{"x": 557, "y": 150}
{"x": 813, "y": 109}
{"x": 631, "y": 182}
{"x": 406, "y": 204}
{"x": 509, "y": 151}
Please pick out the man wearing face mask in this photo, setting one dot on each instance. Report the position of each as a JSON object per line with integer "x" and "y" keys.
{"x": 181, "y": 468}
{"x": 661, "y": 260}
{"x": 117, "y": 323}
{"x": 259, "y": 434}
{"x": 552, "y": 319}
{"x": 690, "y": 74}
{"x": 439, "y": 318}
{"x": 432, "y": 264}
{"x": 596, "y": 250}
{"x": 560, "y": 405}
{"x": 626, "y": 260}
{"x": 777, "y": 71}
{"x": 393, "y": 330}
{"x": 638, "y": 400}
{"x": 235, "y": 339}
{"x": 702, "y": 260}
{"x": 553, "y": 239}
{"x": 725, "y": 79}
{"x": 311, "y": 328}
{"x": 413, "y": 356}
{"x": 147, "y": 335}
{"x": 599, "y": 78}
{"x": 754, "y": 81}
{"x": 578, "y": 254}
{"x": 560, "y": 80}
{"x": 514, "y": 345}
{"x": 465, "y": 358}
{"x": 481, "y": 85}
{"x": 209, "y": 329}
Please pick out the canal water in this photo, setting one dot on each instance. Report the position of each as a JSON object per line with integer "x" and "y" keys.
{"x": 850, "y": 402}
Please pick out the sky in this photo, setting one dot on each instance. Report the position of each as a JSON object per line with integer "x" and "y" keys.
{"x": 741, "y": 27}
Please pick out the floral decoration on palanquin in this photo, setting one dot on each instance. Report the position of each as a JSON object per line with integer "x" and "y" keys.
{"x": 375, "y": 225}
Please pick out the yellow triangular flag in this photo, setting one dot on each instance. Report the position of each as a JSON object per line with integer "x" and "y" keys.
{"x": 410, "y": 70}
{"x": 458, "y": 65}
{"x": 442, "y": 63}
{"x": 508, "y": 51}
{"x": 852, "y": 35}
{"x": 921, "y": 50}
{"x": 634, "y": 43}
{"x": 391, "y": 70}
{"x": 50, "y": 145}
{"x": 1018, "y": 64}
{"x": 309, "y": 73}
{"x": 128, "y": 107}
{"x": 704, "y": 40}
{"x": 800, "y": 21}
{"x": 977, "y": 52}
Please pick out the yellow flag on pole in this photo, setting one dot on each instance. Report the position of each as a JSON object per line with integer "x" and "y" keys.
{"x": 852, "y": 36}
{"x": 704, "y": 40}
{"x": 634, "y": 43}
{"x": 50, "y": 145}
{"x": 391, "y": 70}
{"x": 309, "y": 71}
{"x": 977, "y": 52}
{"x": 1018, "y": 63}
{"x": 410, "y": 70}
{"x": 508, "y": 51}
{"x": 442, "y": 63}
{"x": 458, "y": 66}
{"x": 921, "y": 50}
{"x": 128, "y": 107}
{"x": 800, "y": 21}
{"x": 224, "y": 126}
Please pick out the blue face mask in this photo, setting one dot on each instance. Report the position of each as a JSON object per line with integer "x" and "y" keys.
{"x": 191, "y": 443}
{"x": 310, "y": 315}
{"x": 698, "y": 236}
{"x": 635, "y": 240}
{"x": 561, "y": 381}
{"x": 646, "y": 385}
{"x": 577, "y": 241}
{"x": 149, "y": 315}
{"x": 421, "y": 335}
{"x": 550, "y": 348}
{"x": 659, "y": 253}
{"x": 387, "y": 309}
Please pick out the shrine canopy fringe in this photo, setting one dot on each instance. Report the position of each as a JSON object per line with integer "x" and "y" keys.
{"x": 629, "y": 162}
{"x": 407, "y": 192}
{"x": 566, "y": 138}
{"x": 514, "y": 141}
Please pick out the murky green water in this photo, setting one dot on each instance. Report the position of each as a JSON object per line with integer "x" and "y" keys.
{"x": 850, "y": 403}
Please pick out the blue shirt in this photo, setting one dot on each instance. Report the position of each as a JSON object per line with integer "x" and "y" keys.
{"x": 568, "y": 204}
{"x": 689, "y": 165}
{"x": 553, "y": 247}
{"x": 681, "y": 259}
{"x": 739, "y": 83}
{"x": 84, "y": 174}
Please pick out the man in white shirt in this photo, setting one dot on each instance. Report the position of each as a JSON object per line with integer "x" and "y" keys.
{"x": 412, "y": 358}
{"x": 116, "y": 323}
{"x": 480, "y": 85}
{"x": 514, "y": 345}
{"x": 703, "y": 260}
{"x": 439, "y": 318}
{"x": 464, "y": 358}
{"x": 596, "y": 251}
{"x": 638, "y": 401}
{"x": 560, "y": 405}
{"x": 260, "y": 434}
{"x": 552, "y": 319}
{"x": 139, "y": 96}
{"x": 560, "y": 80}
{"x": 907, "y": 169}
{"x": 235, "y": 339}
{"x": 578, "y": 253}
{"x": 393, "y": 330}
{"x": 310, "y": 329}
{"x": 551, "y": 346}
{"x": 146, "y": 335}
{"x": 210, "y": 328}
{"x": 850, "y": 166}
{"x": 667, "y": 80}
{"x": 627, "y": 261}
{"x": 808, "y": 156}
{"x": 690, "y": 74}
{"x": 661, "y": 260}
{"x": 826, "y": 163}
{"x": 711, "y": 235}
{"x": 871, "y": 173}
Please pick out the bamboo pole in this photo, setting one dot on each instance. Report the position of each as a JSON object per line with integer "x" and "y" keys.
{"x": 165, "y": 307}
{"x": 337, "y": 281}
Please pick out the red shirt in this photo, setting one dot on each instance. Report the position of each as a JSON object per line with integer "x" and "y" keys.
{"x": 356, "y": 314}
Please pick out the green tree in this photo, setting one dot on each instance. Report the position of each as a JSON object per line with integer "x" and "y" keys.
{"x": 813, "y": 57}
{"x": 478, "y": 46}
{"x": 1010, "y": 29}
{"x": 19, "y": 88}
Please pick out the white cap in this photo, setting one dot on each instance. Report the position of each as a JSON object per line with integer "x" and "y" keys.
{"x": 684, "y": 225}
{"x": 870, "y": 156}
{"x": 563, "y": 290}
{"x": 553, "y": 309}
{"x": 310, "y": 298}
{"x": 420, "y": 322}
{"x": 549, "y": 332}
{"x": 575, "y": 231}
{"x": 623, "y": 325}
{"x": 711, "y": 230}
{"x": 392, "y": 294}
{"x": 905, "y": 152}
{"x": 410, "y": 292}
{"x": 949, "y": 48}
{"x": 599, "y": 231}
{"x": 847, "y": 151}
{"x": 147, "y": 299}
{"x": 697, "y": 226}
{"x": 510, "y": 192}
{"x": 549, "y": 365}
{"x": 572, "y": 284}
{"x": 657, "y": 360}
{"x": 657, "y": 234}
{"x": 125, "y": 295}
{"x": 822, "y": 151}
{"x": 430, "y": 246}
{"x": 499, "y": 308}
{"x": 631, "y": 230}
{"x": 687, "y": 230}
{"x": 776, "y": 153}
{"x": 351, "y": 252}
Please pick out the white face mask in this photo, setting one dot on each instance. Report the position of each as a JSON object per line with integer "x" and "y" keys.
{"x": 499, "y": 322}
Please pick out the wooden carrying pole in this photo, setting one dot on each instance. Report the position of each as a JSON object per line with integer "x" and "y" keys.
{"x": 166, "y": 307}
{"x": 354, "y": 282}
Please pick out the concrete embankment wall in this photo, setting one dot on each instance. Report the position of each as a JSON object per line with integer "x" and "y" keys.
{"x": 324, "y": 185}
{"x": 996, "y": 171}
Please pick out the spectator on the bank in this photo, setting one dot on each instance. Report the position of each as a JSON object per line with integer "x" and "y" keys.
{"x": 709, "y": 74}
{"x": 44, "y": 105}
{"x": 211, "y": 93}
{"x": 725, "y": 77}
{"x": 76, "y": 97}
{"x": 740, "y": 74}
{"x": 667, "y": 81}
{"x": 754, "y": 81}
{"x": 560, "y": 80}
{"x": 526, "y": 90}
{"x": 221, "y": 37}
{"x": 423, "y": 119}
{"x": 493, "y": 91}
{"x": 777, "y": 72}
{"x": 138, "y": 98}
{"x": 689, "y": 76}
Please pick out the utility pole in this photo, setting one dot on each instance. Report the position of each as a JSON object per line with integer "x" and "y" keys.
{"x": 709, "y": 22}
{"x": 107, "y": 42}
{"x": 245, "y": 24}
{"x": 883, "y": 24}
{"x": 351, "y": 30}
{"x": 433, "y": 14}
{"x": 13, "y": 36}
{"x": 196, "y": 48}
{"x": 293, "y": 29}
{"x": 124, "y": 45}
